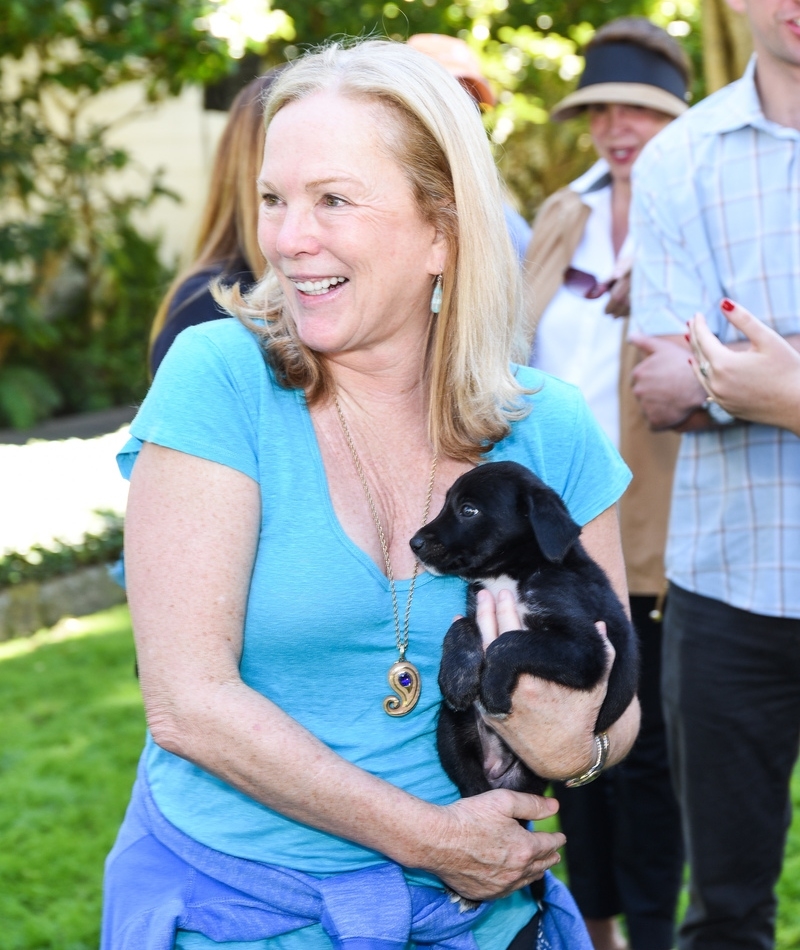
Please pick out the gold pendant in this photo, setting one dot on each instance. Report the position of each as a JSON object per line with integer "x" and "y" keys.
{"x": 405, "y": 680}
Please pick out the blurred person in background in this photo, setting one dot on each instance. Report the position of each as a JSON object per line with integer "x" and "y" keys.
{"x": 458, "y": 59}
{"x": 716, "y": 218}
{"x": 623, "y": 849}
{"x": 226, "y": 245}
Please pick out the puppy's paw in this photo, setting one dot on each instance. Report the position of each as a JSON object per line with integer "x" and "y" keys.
{"x": 459, "y": 687}
{"x": 463, "y": 903}
{"x": 500, "y": 671}
{"x": 461, "y": 665}
{"x": 495, "y": 698}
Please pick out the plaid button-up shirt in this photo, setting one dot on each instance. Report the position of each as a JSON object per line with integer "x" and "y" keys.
{"x": 716, "y": 212}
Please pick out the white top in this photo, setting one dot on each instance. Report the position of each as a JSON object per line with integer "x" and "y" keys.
{"x": 575, "y": 339}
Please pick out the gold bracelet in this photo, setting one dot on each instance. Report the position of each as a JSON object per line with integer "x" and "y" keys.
{"x": 601, "y": 748}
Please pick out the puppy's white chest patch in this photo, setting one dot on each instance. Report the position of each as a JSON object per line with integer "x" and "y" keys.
{"x": 495, "y": 584}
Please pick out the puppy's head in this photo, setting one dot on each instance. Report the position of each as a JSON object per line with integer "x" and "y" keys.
{"x": 497, "y": 519}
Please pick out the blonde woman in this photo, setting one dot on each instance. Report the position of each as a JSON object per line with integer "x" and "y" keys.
{"x": 290, "y": 794}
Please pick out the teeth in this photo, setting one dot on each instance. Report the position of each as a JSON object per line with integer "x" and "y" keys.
{"x": 318, "y": 286}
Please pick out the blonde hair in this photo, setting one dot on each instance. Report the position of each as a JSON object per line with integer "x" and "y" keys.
{"x": 434, "y": 132}
{"x": 227, "y": 234}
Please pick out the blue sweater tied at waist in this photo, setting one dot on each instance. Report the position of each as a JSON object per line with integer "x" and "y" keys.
{"x": 159, "y": 880}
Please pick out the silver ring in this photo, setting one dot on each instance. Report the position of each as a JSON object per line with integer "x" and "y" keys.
{"x": 704, "y": 369}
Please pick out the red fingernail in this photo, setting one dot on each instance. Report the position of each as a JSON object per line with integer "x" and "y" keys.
{"x": 689, "y": 361}
{"x": 687, "y": 337}
{"x": 727, "y": 305}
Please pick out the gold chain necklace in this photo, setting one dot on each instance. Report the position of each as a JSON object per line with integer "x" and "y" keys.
{"x": 403, "y": 676}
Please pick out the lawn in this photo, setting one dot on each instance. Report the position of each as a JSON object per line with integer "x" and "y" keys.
{"x": 71, "y": 731}
{"x": 70, "y": 735}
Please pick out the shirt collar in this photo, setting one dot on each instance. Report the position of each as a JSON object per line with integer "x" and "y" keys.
{"x": 597, "y": 177}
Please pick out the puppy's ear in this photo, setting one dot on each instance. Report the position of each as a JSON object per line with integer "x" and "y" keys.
{"x": 555, "y": 530}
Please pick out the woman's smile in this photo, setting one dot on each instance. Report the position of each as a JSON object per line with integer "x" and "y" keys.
{"x": 316, "y": 286}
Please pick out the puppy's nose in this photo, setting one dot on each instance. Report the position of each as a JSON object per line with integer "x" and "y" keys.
{"x": 417, "y": 543}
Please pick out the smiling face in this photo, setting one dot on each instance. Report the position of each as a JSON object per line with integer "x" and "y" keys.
{"x": 620, "y": 132}
{"x": 340, "y": 226}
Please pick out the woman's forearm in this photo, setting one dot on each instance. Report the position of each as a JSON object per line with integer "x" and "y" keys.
{"x": 241, "y": 737}
{"x": 553, "y": 731}
{"x": 476, "y": 846}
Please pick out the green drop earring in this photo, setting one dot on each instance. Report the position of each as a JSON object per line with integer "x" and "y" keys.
{"x": 436, "y": 296}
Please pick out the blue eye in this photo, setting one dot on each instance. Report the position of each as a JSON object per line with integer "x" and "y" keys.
{"x": 468, "y": 511}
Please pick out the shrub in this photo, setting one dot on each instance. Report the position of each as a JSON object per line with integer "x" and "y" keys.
{"x": 41, "y": 563}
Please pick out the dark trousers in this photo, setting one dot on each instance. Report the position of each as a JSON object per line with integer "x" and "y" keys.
{"x": 624, "y": 852}
{"x": 731, "y": 687}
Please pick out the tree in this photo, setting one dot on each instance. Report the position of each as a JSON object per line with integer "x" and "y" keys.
{"x": 530, "y": 49}
{"x": 726, "y": 44}
{"x": 78, "y": 283}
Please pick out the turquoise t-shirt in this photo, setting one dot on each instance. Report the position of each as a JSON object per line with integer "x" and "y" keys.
{"x": 319, "y": 631}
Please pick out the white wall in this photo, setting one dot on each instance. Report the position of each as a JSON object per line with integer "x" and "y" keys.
{"x": 177, "y": 135}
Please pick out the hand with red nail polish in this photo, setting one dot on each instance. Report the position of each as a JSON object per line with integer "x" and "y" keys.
{"x": 758, "y": 379}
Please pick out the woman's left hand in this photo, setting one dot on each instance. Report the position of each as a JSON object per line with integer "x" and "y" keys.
{"x": 758, "y": 380}
{"x": 550, "y": 727}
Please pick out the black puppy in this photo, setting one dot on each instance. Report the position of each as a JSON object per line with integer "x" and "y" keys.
{"x": 501, "y": 526}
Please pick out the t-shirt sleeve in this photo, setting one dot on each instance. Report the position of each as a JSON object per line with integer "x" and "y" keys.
{"x": 202, "y": 402}
{"x": 563, "y": 444}
{"x": 594, "y": 476}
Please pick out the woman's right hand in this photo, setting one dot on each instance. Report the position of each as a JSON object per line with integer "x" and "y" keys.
{"x": 480, "y": 850}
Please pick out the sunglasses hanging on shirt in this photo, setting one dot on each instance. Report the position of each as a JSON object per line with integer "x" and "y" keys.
{"x": 583, "y": 284}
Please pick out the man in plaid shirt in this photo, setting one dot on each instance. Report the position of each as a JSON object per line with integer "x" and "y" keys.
{"x": 716, "y": 217}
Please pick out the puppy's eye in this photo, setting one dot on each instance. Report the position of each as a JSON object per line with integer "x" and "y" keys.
{"x": 468, "y": 511}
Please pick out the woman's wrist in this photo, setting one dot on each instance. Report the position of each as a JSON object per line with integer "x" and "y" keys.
{"x": 576, "y": 753}
{"x": 601, "y": 742}
{"x": 414, "y": 837}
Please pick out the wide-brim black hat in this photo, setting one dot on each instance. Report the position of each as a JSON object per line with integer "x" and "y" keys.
{"x": 624, "y": 72}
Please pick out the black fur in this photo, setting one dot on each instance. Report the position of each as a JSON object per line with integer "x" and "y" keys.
{"x": 501, "y": 520}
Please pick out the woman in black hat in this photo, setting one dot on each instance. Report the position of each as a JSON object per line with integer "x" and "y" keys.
{"x": 623, "y": 832}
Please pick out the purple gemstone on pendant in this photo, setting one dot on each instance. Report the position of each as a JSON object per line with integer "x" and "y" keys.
{"x": 404, "y": 679}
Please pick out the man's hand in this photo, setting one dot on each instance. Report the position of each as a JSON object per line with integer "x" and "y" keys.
{"x": 619, "y": 297}
{"x": 664, "y": 382}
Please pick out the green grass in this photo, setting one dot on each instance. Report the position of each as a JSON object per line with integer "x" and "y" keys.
{"x": 70, "y": 735}
{"x": 71, "y": 731}
{"x": 788, "y": 928}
